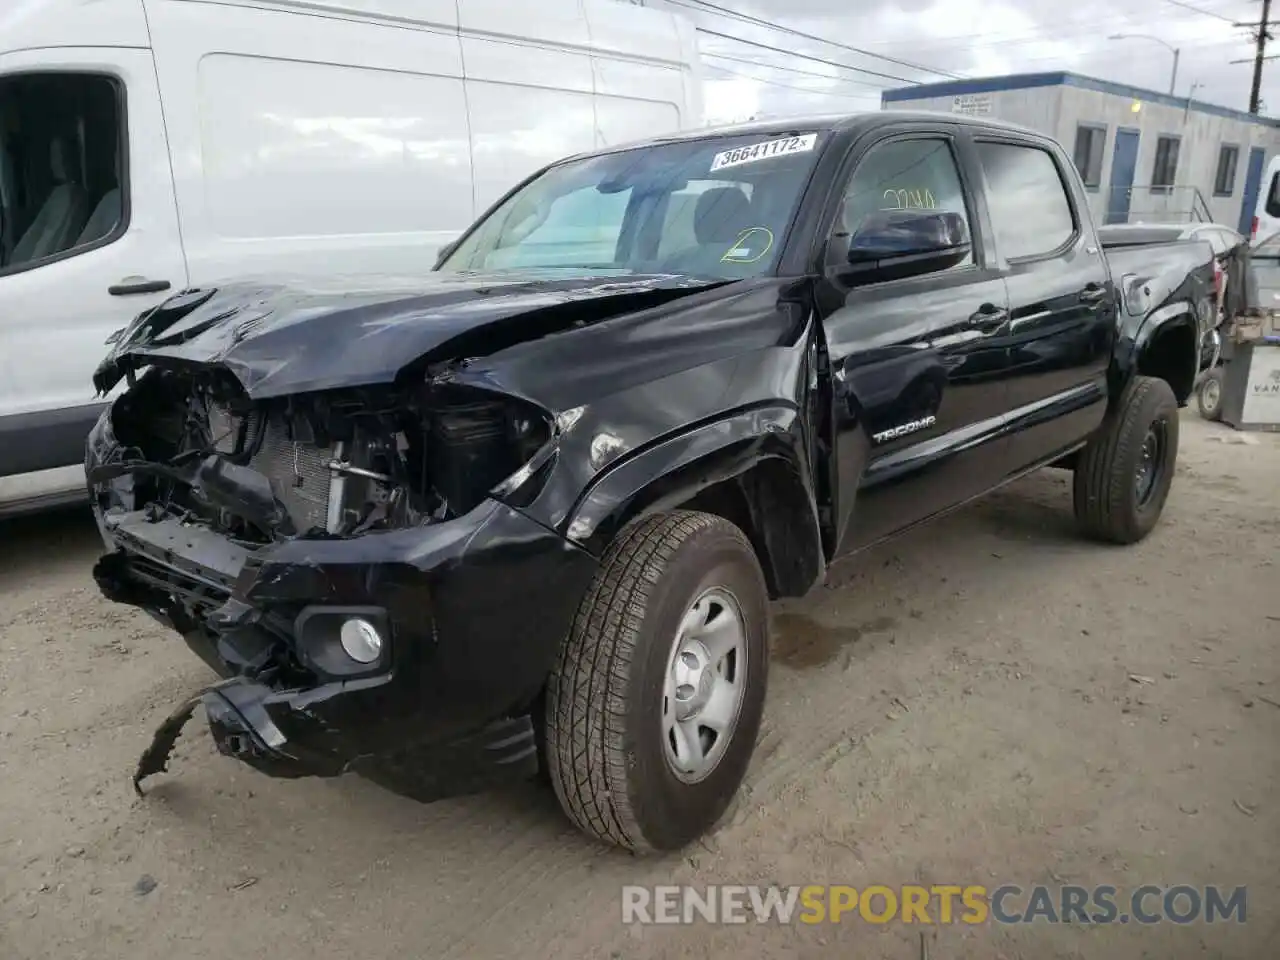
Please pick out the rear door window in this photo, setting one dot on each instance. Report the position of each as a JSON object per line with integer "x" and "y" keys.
{"x": 1028, "y": 200}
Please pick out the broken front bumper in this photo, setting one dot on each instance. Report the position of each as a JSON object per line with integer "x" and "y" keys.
{"x": 473, "y": 612}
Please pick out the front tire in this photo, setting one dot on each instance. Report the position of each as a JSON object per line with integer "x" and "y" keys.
{"x": 1209, "y": 395}
{"x": 654, "y": 705}
{"x": 1124, "y": 474}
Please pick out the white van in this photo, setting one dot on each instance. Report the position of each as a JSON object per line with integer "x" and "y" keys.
{"x": 1265, "y": 230}
{"x": 150, "y": 145}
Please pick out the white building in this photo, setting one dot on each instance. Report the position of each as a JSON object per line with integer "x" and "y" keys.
{"x": 1144, "y": 156}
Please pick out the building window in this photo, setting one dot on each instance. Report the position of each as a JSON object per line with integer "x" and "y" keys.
{"x": 1225, "y": 180}
{"x": 1090, "y": 142}
{"x": 1165, "y": 171}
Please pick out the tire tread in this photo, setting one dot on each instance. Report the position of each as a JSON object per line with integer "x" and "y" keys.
{"x": 586, "y": 692}
{"x": 1101, "y": 488}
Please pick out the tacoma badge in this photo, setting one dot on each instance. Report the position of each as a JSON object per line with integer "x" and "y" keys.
{"x": 903, "y": 429}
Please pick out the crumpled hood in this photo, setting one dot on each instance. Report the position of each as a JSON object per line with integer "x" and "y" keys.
{"x": 280, "y": 338}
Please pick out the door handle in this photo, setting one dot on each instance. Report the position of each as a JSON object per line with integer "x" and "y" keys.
{"x": 133, "y": 285}
{"x": 988, "y": 318}
{"x": 1093, "y": 292}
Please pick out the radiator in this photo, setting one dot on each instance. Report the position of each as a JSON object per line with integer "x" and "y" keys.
{"x": 298, "y": 472}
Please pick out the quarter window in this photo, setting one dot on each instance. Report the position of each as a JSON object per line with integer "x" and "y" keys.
{"x": 904, "y": 175}
{"x": 1090, "y": 142}
{"x": 1165, "y": 172}
{"x": 1030, "y": 209}
{"x": 1225, "y": 180}
{"x": 61, "y": 183}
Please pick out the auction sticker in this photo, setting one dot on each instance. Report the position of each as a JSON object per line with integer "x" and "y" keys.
{"x": 763, "y": 151}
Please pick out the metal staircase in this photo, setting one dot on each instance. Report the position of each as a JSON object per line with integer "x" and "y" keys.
{"x": 1148, "y": 204}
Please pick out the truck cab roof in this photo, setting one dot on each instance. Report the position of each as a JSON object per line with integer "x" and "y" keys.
{"x": 841, "y": 123}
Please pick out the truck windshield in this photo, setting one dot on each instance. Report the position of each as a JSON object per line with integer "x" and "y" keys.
{"x": 717, "y": 208}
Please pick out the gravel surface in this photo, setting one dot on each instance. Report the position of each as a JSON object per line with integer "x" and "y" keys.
{"x": 960, "y": 706}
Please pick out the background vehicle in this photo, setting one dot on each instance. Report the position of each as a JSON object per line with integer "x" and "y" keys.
{"x": 531, "y": 510}
{"x": 1266, "y": 216}
{"x": 148, "y": 145}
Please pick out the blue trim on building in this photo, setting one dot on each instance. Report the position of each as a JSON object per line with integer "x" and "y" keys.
{"x": 1028, "y": 81}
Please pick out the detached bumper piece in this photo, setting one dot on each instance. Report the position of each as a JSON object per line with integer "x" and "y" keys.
{"x": 242, "y": 728}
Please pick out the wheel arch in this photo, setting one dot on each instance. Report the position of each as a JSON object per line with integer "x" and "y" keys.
{"x": 748, "y": 468}
{"x": 1168, "y": 347}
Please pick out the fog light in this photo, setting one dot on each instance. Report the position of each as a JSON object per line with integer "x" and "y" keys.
{"x": 361, "y": 640}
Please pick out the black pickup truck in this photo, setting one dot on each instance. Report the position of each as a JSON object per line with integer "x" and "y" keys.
{"x": 525, "y": 512}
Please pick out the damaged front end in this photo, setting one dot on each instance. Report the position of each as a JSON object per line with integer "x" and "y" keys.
{"x": 354, "y": 563}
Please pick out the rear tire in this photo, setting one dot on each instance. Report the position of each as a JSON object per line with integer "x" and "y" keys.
{"x": 1209, "y": 395}
{"x": 651, "y": 665}
{"x": 1124, "y": 474}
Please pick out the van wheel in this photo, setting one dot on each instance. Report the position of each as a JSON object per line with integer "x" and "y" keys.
{"x": 1209, "y": 395}
{"x": 1124, "y": 474}
{"x": 654, "y": 704}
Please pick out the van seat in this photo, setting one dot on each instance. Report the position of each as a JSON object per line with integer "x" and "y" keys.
{"x": 104, "y": 218}
{"x": 62, "y": 214}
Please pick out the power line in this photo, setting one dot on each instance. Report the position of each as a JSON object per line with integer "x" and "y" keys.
{"x": 1091, "y": 52}
{"x": 771, "y": 25}
{"x": 797, "y": 70}
{"x": 789, "y": 86}
{"x": 990, "y": 38}
{"x": 806, "y": 56}
{"x": 1200, "y": 10}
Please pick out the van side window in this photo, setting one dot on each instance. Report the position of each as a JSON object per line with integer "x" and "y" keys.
{"x": 904, "y": 175}
{"x": 1273, "y": 196}
{"x": 61, "y": 182}
{"x": 1029, "y": 206}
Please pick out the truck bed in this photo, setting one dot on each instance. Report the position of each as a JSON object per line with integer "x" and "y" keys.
{"x": 1153, "y": 275}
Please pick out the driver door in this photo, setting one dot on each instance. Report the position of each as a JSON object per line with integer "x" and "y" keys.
{"x": 918, "y": 364}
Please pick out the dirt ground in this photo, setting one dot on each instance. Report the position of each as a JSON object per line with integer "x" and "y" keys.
{"x": 954, "y": 708}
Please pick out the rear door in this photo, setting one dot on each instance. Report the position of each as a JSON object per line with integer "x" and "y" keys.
{"x": 1061, "y": 298}
{"x": 917, "y": 364}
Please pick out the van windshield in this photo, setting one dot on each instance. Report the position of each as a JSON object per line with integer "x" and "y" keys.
{"x": 717, "y": 207}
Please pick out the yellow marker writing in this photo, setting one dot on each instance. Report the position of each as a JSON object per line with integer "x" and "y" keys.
{"x": 737, "y": 253}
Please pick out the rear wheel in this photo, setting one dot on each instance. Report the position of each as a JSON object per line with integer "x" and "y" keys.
{"x": 1209, "y": 395}
{"x": 654, "y": 705}
{"x": 1123, "y": 477}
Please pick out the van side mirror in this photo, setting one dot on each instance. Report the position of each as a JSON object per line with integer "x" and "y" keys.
{"x": 896, "y": 244}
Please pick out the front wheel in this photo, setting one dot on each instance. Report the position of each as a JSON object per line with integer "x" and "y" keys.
{"x": 654, "y": 705}
{"x": 1123, "y": 476}
{"x": 1209, "y": 395}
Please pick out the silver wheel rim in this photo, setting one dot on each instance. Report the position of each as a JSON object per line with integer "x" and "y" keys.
{"x": 1210, "y": 393}
{"x": 704, "y": 686}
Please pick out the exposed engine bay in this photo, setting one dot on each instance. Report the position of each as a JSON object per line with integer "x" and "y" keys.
{"x": 334, "y": 464}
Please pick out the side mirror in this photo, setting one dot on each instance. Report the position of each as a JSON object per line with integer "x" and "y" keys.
{"x": 444, "y": 253}
{"x": 896, "y": 244}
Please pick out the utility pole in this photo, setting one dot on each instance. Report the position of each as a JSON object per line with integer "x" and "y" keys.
{"x": 1260, "y": 55}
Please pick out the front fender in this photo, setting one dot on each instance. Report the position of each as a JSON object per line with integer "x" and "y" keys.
{"x": 761, "y": 449}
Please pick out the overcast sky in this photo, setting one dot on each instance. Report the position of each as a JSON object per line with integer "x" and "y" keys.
{"x": 973, "y": 38}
